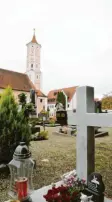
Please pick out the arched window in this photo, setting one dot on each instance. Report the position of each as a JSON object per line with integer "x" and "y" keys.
{"x": 31, "y": 65}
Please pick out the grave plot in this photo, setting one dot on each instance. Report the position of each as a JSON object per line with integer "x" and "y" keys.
{"x": 86, "y": 120}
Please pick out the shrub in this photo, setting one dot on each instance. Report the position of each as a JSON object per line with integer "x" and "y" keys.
{"x": 28, "y": 108}
{"x": 22, "y": 99}
{"x": 43, "y": 135}
{"x": 34, "y": 121}
{"x": 35, "y": 129}
{"x": 14, "y": 126}
{"x": 52, "y": 121}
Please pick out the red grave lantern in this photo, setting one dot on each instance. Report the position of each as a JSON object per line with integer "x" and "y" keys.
{"x": 21, "y": 169}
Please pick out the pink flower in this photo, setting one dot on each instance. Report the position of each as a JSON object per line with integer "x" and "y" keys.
{"x": 83, "y": 180}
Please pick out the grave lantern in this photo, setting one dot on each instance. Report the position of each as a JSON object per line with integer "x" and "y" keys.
{"x": 21, "y": 168}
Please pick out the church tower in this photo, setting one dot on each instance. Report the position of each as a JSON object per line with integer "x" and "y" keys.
{"x": 33, "y": 62}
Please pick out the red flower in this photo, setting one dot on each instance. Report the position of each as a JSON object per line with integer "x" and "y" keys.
{"x": 61, "y": 194}
{"x": 66, "y": 198}
{"x": 62, "y": 188}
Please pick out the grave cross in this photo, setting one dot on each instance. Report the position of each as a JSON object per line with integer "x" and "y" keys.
{"x": 86, "y": 120}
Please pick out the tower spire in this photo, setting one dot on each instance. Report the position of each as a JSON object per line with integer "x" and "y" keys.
{"x": 34, "y": 37}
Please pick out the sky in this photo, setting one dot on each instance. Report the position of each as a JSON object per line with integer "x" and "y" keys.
{"x": 76, "y": 39}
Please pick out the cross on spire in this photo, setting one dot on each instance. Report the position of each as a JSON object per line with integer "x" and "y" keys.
{"x": 34, "y": 31}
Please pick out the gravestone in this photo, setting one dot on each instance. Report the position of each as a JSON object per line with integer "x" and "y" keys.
{"x": 61, "y": 114}
{"x": 95, "y": 187}
{"x": 61, "y": 117}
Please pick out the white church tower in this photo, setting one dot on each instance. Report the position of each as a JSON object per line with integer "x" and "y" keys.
{"x": 33, "y": 62}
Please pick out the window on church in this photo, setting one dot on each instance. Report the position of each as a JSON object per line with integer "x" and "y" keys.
{"x": 41, "y": 100}
{"x": 31, "y": 65}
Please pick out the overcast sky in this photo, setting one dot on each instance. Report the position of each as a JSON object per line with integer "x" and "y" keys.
{"x": 76, "y": 39}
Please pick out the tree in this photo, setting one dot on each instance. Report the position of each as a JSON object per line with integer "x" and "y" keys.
{"x": 22, "y": 99}
{"x": 107, "y": 103}
{"x": 14, "y": 126}
{"x": 61, "y": 99}
{"x": 27, "y": 108}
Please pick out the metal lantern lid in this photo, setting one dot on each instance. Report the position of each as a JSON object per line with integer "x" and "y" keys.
{"x": 22, "y": 152}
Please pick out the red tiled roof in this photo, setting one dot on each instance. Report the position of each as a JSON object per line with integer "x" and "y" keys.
{"x": 70, "y": 91}
{"x": 17, "y": 81}
{"x": 40, "y": 94}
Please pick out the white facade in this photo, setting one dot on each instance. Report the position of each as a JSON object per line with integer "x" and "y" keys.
{"x": 52, "y": 110}
{"x": 33, "y": 69}
{"x": 72, "y": 103}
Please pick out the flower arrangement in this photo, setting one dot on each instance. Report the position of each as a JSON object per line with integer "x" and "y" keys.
{"x": 62, "y": 194}
{"x": 69, "y": 191}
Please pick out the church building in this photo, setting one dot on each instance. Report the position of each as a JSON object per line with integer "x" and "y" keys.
{"x": 31, "y": 79}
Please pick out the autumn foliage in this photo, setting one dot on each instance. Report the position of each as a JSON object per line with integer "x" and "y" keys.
{"x": 107, "y": 103}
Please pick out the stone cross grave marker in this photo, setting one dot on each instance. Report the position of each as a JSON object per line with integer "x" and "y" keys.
{"x": 86, "y": 120}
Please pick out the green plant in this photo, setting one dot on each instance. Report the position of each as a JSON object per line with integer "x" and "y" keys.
{"x": 14, "y": 125}
{"x": 28, "y": 109}
{"x": 43, "y": 135}
{"x": 35, "y": 129}
{"x": 52, "y": 121}
{"x": 40, "y": 119}
{"x": 34, "y": 121}
{"x": 22, "y": 99}
{"x": 61, "y": 99}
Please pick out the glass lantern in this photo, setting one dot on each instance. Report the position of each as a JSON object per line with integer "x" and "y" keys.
{"x": 21, "y": 169}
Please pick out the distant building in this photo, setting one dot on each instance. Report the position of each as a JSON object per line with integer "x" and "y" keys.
{"x": 70, "y": 95}
{"x": 32, "y": 79}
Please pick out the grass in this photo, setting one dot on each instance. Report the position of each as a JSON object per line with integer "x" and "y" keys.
{"x": 57, "y": 155}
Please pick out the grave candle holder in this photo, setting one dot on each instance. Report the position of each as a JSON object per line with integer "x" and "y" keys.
{"x": 21, "y": 168}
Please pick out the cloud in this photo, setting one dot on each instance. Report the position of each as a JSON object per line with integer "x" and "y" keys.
{"x": 76, "y": 39}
